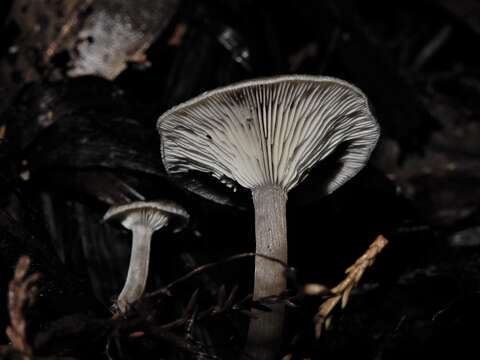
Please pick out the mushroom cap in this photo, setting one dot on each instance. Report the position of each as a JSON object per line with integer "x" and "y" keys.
{"x": 271, "y": 131}
{"x": 152, "y": 214}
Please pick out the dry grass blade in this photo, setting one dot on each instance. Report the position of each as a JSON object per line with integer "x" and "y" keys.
{"x": 231, "y": 298}
{"x": 21, "y": 293}
{"x": 341, "y": 292}
{"x": 192, "y": 303}
{"x": 166, "y": 289}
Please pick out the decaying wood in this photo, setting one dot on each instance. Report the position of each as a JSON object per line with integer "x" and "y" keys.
{"x": 74, "y": 38}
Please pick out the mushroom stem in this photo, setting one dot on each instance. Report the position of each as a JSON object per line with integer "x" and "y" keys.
{"x": 264, "y": 333}
{"x": 138, "y": 268}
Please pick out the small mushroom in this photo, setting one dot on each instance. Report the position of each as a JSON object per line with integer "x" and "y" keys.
{"x": 143, "y": 218}
{"x": 265, "y": 135}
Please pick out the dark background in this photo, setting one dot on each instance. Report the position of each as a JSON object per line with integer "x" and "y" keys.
{"x": 71, "y": 146}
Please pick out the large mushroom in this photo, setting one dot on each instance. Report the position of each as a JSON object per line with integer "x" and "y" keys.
{"x": 265, "y": 135}
{"x": 143, "y": 218}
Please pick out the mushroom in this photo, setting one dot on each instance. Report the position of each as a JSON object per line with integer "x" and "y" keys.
{"x": 265, "y": 135}
{"x": 143, "y": 218}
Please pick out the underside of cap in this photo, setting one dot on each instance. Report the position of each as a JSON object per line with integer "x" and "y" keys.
{"x": 270, "y": 131}
{"x": 152, "y": 214}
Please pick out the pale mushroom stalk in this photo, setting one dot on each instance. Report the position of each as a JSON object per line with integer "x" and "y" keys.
{"x": 138, "y": 268}
{"x": 265, "y": 135}
{"x": 271, "y": 233}
{"x": 143, "y": 218}
{"x": 271, "y": 239}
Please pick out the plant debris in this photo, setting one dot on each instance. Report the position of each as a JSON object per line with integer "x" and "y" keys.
{"x": 82, "y": 85}
{"x": 341, "y": 292}
{"x": 21, "y": 294}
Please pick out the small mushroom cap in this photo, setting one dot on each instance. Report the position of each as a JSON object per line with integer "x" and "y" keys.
{"x": 152, "y": 214}
{"x": 270, "y": 131}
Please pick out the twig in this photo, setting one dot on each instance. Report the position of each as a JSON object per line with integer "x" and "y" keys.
{"x": 341, "y": 292}
{"x": 165, "y": 289}
{"x": 21, "y": 293}
{"x": 432, "y": 47}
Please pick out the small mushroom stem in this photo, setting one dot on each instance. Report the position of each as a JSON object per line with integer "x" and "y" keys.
{"x": 138, "y": 268}
{"x": 265, "y": 333}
